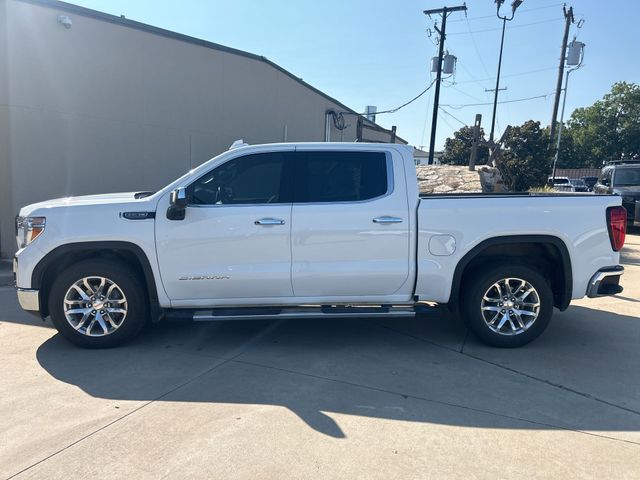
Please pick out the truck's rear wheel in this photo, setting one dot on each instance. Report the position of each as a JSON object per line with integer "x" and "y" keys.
{"x": 507, "y": 306}
{"x": 98, "y": 303}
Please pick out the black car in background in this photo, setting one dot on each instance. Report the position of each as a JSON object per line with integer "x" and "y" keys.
{"x": 579, "y": 185}
{"x": 590, "y": 181}
{"x": 621, "y": 177}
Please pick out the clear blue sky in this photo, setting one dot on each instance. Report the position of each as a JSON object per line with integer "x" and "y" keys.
{"x": 377, "y": 52}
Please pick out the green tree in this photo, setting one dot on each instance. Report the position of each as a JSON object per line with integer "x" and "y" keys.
{"x": 607, "y": 130}
{"x": 525, "y": 157}
{"x": 457, "y": 150}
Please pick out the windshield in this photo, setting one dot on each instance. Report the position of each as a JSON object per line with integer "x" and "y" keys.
{"x": 627, "y": 177}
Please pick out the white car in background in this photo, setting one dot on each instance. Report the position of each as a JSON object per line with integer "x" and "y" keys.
{"x": 561, "y": 184}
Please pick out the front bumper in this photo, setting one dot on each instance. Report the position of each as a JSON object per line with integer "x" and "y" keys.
{"x": 29, "y": 300}
{"x": 605, "y": 281}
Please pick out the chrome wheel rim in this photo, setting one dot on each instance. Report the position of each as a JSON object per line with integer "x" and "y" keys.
{"x": 510, "y": 306}
{"x": 95, "y": 306}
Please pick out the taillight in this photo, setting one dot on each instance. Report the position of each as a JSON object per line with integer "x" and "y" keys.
{"x": 617, "y": 224}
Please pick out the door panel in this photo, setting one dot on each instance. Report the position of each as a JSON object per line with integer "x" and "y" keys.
{"x": 235, "y": 239}
{"x": 348, "y": 248}
{"x": 224, "y": 245}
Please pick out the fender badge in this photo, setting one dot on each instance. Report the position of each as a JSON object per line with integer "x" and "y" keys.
{"x": 206, "y": 277}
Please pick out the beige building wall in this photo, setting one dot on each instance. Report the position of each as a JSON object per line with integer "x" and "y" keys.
{"x": 114, "y": 105}
{"x": 6, "y": 200}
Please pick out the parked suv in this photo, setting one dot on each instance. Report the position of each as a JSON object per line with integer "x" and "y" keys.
{"x": 621, "y": 177}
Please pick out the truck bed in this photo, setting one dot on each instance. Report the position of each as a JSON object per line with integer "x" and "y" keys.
{"x": 451, "y": 225}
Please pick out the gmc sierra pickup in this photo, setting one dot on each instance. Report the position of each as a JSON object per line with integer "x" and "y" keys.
{"x": 313, "y": 230}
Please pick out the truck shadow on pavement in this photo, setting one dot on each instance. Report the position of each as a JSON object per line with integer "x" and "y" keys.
{"x": 582, "y": 374}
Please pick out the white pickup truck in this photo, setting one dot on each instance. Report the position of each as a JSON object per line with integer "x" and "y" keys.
{"x": 313, "y": 230}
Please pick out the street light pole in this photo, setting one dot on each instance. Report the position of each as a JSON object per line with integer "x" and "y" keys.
{"x": 505, "y": 19}
{"x": 495, "y": 95}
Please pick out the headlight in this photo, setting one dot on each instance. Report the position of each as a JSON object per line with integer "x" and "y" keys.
{"x": 28, "y": 229}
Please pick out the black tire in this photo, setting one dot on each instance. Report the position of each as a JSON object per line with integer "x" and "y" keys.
{"x": 474, "y": 289}
{"x": 127, "y": 281}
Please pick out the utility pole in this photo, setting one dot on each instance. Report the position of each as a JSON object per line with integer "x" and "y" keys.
{"x": 475, "y": 143}
{"x": 568, "y": 20}
{"x": 571, "y": 62}
{"x": 444, "y": 11}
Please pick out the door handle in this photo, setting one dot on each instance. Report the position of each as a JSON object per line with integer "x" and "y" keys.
{"x": 387, "y": 219}
{"x": 269, "y": 221}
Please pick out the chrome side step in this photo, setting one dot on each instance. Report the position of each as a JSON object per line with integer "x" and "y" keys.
{"x": 268, "y": 313}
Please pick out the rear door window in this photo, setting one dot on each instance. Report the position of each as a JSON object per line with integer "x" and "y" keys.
{"x": 335, "y": 176}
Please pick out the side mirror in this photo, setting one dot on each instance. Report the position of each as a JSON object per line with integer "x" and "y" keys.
{"x": 177, "y": 204}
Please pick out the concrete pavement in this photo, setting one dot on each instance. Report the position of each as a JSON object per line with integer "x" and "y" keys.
{"x": 335, "y": 399}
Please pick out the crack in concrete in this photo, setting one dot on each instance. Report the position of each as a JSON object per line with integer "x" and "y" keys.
{"x": 438, "y": 402}
{"x": 517, "y": 372}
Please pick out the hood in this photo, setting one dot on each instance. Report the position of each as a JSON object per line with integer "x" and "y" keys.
{"x": 84, "y": 200}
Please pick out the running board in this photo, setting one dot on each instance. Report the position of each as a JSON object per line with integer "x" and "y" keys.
{"x": 255, "y": 313}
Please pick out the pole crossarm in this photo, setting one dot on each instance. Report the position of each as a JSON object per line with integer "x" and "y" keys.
{"x": 443, "y": 9}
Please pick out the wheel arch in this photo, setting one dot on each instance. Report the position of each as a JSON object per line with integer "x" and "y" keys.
{"x": 517, "y": 247}
{"x": 66, "y": 255}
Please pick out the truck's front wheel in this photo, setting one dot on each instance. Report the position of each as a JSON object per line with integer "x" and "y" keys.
{"x": 507, "y": 306}
{"x": 98, "y": 303}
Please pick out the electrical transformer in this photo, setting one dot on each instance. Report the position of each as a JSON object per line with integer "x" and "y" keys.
{"x": 574, "y": 53}
{"x": 449, "y": 64}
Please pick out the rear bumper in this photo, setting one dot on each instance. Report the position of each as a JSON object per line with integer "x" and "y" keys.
{"x": 605, "y": 281}
{"x": 29, "y": 300}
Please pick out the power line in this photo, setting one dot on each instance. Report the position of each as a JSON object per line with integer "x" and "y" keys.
{"x": 465, "y": 93}
{"x": 476, "y": 80}
{"x": 498, "y": 29}
{"x": 426, "y": 118}
{"x": 444, "y": 119}
{"x": 463, "y": 105}
{"x": 473, "y": 78}
{"x": 475, "y": 45}
{"x": 542, "y": 7}
{"x": 452, "y": 116}
{"x": 394, "y": 110}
